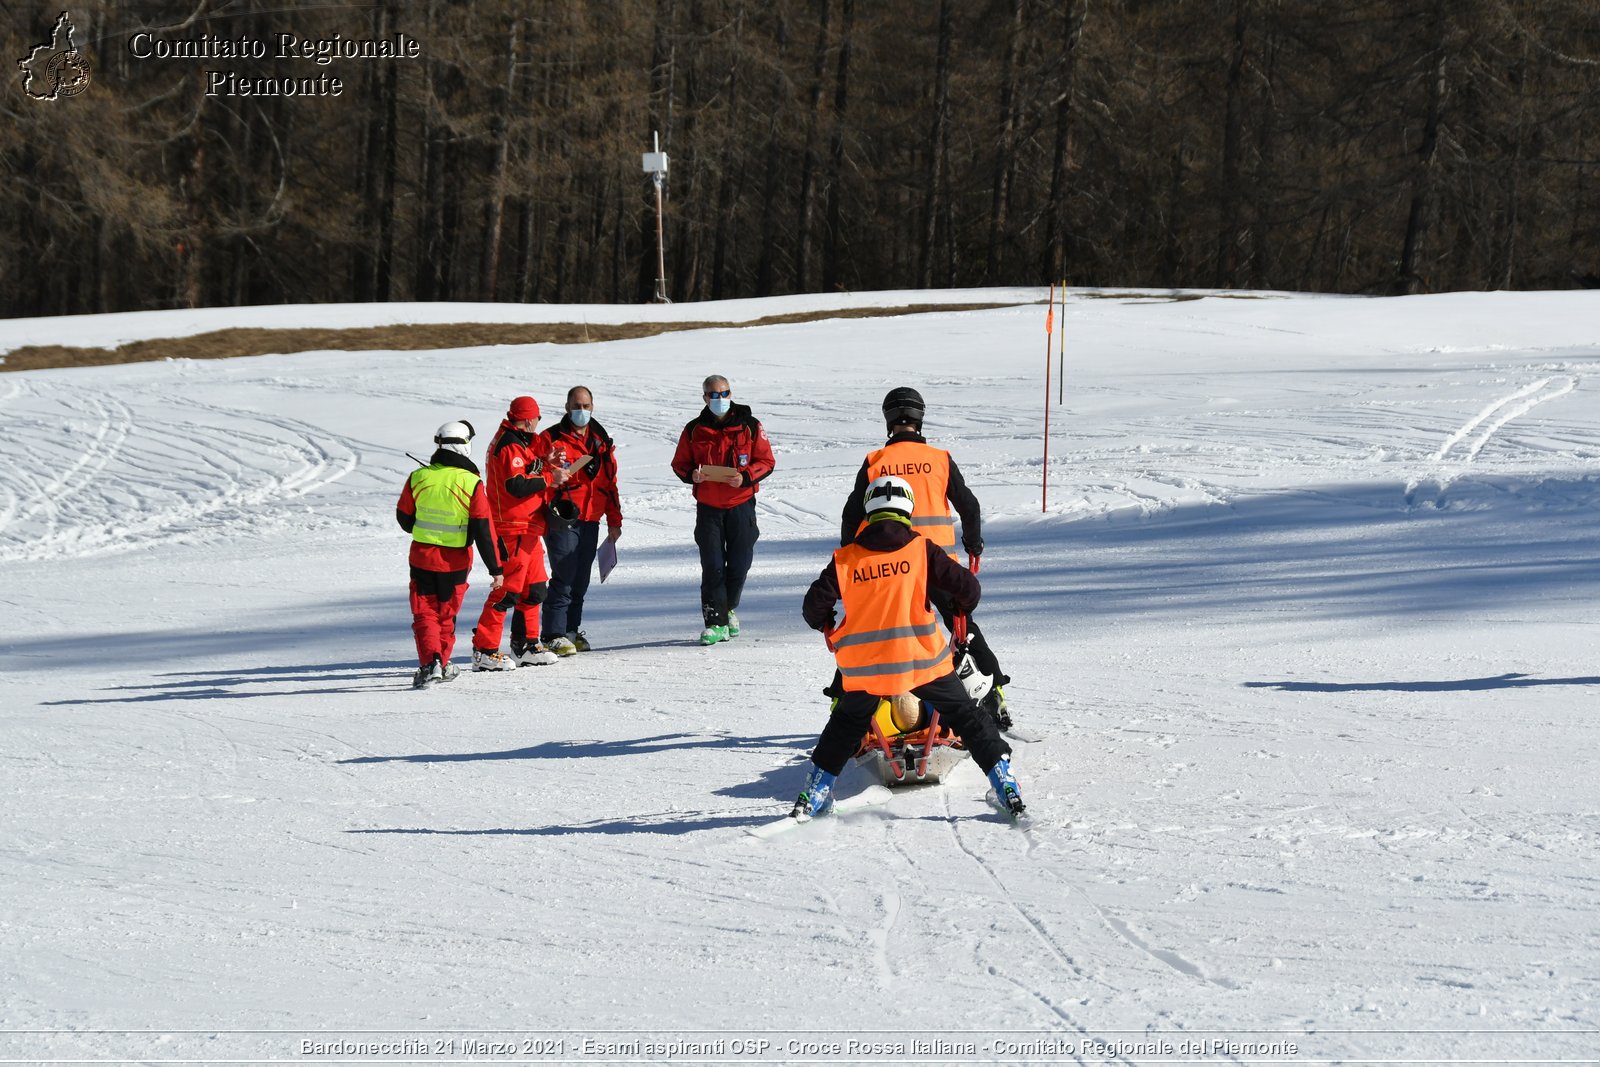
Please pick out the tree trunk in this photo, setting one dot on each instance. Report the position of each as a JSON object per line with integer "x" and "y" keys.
{"x": 192, "y": 248}
{"x": 933, "y": 204}
{"x": 1005, "y": 148}
{"x": 496, "y": 209}
{"x": 1425, "y": 176}
{"x": 1056, "y": 253}
{"x": 1225, "y": 271}
{"x": 808, "y": 164}
{"x": 766, "y": 264}
{"x": 833, "y": 237}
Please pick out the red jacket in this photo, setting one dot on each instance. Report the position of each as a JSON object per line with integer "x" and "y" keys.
{"x": 443, "y": 558}
{"x": 736, "y": 441}
{"x": 514, "y": 477}
{"x": 594, "y": 488}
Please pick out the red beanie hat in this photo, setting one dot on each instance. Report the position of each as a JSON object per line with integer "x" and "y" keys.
{"x": 522, "y": 409}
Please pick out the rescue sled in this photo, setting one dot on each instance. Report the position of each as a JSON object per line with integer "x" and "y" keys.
{"x": 906, "y": 744}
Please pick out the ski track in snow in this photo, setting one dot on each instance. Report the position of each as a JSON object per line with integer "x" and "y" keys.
{"x": 175, "y": 476}
{"x": 1510, "y": 407}
{"x": 1307, "y": 631}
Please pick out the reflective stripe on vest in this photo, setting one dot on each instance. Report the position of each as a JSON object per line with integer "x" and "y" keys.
{"x": 927, "y": 469}
{"x": 443, "y": 496}
{"x": 890, "y": 641}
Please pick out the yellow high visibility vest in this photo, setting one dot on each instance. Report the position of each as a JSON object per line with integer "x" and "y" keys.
{"x": 443, "y": 497}
{"x": 927, "y": 469}
{"x": 890, "y": 641}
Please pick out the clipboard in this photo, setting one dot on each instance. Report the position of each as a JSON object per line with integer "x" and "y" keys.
{"x": 716, "y": 473}
{"x": 578, "y": 464}
{"x": 608, "y": 559}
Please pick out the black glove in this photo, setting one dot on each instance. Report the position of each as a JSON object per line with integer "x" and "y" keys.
{"x": 973, "y": 545}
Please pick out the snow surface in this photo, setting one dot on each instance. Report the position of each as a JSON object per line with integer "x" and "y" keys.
{"x": 1309, "y": 626}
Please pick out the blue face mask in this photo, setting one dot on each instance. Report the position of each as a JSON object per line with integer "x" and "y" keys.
{"x": 720, "y": 406}
{"x": 580, "y": 416}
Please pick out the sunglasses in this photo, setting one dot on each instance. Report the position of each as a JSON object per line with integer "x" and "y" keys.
{"x": 724, "y": 394}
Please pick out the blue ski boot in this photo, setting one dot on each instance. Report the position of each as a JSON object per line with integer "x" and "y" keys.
{"x": 817, "y": 796}
{"x": 1005, "y": 788}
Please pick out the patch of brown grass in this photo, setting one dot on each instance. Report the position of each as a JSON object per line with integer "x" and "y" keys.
{"x": 230, "y": 344}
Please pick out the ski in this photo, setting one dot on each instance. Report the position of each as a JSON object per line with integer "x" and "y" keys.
{"x": 873, "y": 797}
{"x": 1022, "y": 820}
{"x": 1027, "y": 737}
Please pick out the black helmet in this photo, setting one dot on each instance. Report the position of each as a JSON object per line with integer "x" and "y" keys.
{"x": 903, "y": 405}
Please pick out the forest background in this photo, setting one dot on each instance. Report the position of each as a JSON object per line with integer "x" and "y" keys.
{"x": 1364, "y": 146}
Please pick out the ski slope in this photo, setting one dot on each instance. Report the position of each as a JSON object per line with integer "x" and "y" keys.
{"x": 1309, "y": 626}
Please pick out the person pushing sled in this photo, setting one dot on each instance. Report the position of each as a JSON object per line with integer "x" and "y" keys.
{"x": 890, "y": 644}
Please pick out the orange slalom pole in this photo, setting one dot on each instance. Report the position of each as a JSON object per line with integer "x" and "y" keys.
{"x": 1049, "y": 328}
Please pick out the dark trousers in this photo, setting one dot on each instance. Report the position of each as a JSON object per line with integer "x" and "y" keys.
{"x": 727, "y": 540}
{"x": 982, "y": 655}
{"x": 572, "y": 550}
{"x": 849, "y": 721}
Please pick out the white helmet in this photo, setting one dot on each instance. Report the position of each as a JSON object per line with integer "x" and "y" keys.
{"x": 456, "y": 436}
{"x": 890, "y": 494}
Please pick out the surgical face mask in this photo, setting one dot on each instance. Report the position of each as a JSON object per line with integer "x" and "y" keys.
{"x": 580, "y": 416}
{"x": 720, "y": 406}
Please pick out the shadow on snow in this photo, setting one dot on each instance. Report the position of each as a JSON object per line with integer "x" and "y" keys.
{"x": 1460, "y": 685}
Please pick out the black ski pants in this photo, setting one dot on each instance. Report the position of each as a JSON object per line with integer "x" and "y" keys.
{"x": 850, "y": 720}
{"x": 982, "y": 655}
{"x": 727, "y": 541}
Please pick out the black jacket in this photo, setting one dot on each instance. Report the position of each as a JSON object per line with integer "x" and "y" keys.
{"x": 887, "y": 535}
{"x": 960, "y": 497}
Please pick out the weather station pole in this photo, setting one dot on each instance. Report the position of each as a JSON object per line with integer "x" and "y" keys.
{"x": 655, "y": 165}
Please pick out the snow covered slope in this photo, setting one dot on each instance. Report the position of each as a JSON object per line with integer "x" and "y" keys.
{"x": 1309, "y": 625}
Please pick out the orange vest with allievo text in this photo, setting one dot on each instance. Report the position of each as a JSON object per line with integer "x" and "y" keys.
{"x": 890, "y": 641}
{"x": 927, "y": 469}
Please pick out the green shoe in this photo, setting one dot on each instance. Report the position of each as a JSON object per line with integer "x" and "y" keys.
{"x": 733, "y": 624}
{"x": 712, "y": 634}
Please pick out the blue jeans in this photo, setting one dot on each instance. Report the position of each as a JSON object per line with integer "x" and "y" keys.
{"x": 727, "y": 540}
{"x": 572, "y": 552}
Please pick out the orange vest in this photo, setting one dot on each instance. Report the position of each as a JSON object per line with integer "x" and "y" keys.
{"x": 927, "y": 469}
{"x": 890, "y": 641}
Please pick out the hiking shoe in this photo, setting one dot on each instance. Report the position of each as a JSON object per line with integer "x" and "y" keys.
{"x": 712, "y": 634}
{"x": 427, "y": 674}
{"x": 733, "y": 624}
{"x": 560, "y": 646}
{"x": 536, "y": 655}
{"x": 1005, "y": 787}
{"x": 492, "y": 660}
{"x": 579, "y": 641}
{"x": 817, "y": 796}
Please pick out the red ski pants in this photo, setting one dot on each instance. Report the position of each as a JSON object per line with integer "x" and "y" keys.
{"x": 435, "y": 603}
{"x": 522, "y": 559}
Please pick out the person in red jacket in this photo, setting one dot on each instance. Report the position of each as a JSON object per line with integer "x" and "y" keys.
{"x": 518, "y": 484}
{"x": 592, "y": 490}
{"x": 724, "y": 435}
{"x": 445, "y": 510}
